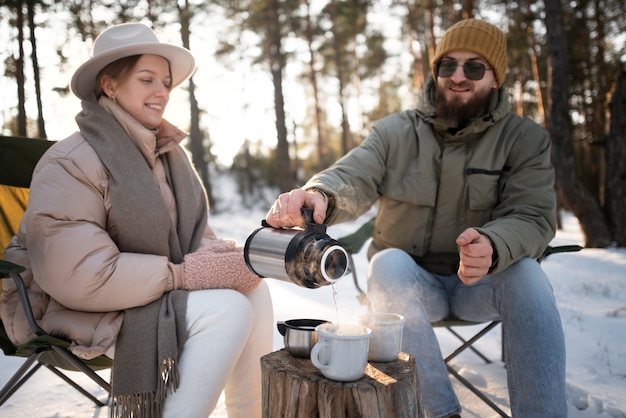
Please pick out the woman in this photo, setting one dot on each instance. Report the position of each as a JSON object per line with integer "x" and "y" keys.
{"x": 121, "y": 260}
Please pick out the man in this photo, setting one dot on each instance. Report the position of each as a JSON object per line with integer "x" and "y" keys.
{"x": 465, "y": 206}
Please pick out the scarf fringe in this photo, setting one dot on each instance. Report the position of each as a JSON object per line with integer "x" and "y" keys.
{"x": 140, "y": 405}
{"x": 169, "y": 378}
{"x": 148, "y": 405}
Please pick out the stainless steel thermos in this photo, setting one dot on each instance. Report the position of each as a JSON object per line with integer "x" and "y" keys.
{"x": 307, "y": 257}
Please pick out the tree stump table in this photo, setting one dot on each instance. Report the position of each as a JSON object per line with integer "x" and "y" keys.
{"x": 294, "y": 388}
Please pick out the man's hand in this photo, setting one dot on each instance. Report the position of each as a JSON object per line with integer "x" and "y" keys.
{"x": 286, "y": 212}
{"x": 476, "y": 254}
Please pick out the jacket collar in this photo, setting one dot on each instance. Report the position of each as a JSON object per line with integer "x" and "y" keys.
{"x": 499, "y": 107}
{"x": 151, "y": 143}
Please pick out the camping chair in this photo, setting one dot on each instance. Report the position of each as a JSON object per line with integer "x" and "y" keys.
{"x": 18, "y": 157}
{"x": 353, "y": 244}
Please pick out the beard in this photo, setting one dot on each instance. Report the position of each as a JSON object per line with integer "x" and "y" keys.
{"x": 457, "y": 112}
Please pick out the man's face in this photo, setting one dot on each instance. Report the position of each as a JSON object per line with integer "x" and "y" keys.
{"x": 458, "y": 96}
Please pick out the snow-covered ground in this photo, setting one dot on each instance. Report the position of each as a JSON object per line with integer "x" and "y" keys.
{"x": 590, "y": 287}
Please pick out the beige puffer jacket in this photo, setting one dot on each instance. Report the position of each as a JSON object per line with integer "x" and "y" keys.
{"x": 78, "y": 281}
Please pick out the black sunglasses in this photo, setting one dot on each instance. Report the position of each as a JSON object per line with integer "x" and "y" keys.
{"x": 473, "y": 70}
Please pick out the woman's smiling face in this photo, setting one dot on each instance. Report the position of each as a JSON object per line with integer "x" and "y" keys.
{"x": 144, "y": 91}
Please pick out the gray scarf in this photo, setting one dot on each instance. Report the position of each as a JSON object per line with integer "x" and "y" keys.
{"x": 152, "y": 336}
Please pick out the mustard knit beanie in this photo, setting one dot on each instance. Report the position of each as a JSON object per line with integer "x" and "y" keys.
{"x": 476, "y": 36}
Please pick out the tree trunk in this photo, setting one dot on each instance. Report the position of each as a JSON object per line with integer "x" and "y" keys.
{"x": 19, "y": 72}
{"x": 294, "y": 388}
{"x": 195, "y": 135}
{"x": 421, "y": 40}
{"x": 541, "y": 105}
{"x": 599, "y": 79}
{"x": 274, "y": 51}
{"x": 320, "y": 126}
{"x": 616, "y": 164}
{"x": 41, "y": 126}
{"x": 468, "y": 9}
{"x": 432, "y": 44}
{"x": 338, "y": 47}
{"x": 570, "y": 189}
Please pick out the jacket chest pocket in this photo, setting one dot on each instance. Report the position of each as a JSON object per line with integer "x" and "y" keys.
{"x": 483, "y": 190}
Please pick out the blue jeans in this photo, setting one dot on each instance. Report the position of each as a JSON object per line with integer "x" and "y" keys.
{"x": 520, "y": 296}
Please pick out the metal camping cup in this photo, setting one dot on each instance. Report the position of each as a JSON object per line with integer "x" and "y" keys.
{"x": 299, "y": 335}
{"x": 307, "y": 257}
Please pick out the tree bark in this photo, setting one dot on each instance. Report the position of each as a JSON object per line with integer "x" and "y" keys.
{"x": 339, "y": 50}
{"x": 541, "y": 105}
{"x": 615, "y": 201}
{"x": 294, "y": 388}
{"x": 41, "y": 126}
{"x": 196, "y": 139}
{"x": 19, "y": 72}
{"x": 320, "y": 126}
{"x": 570, "y": 189}
{"x": 286, "y": 179}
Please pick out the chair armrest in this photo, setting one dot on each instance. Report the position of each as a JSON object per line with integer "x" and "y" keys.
{"x": 8, "y": 269}
{"x": 558, "y": 249}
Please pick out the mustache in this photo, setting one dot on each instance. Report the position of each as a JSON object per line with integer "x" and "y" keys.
{"x": 462, "y": 85}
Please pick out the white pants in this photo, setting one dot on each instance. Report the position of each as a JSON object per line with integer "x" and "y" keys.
{"x": 228, "y": 334}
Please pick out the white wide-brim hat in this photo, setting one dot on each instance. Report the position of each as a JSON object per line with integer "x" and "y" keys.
{"x": 126, "y": 40}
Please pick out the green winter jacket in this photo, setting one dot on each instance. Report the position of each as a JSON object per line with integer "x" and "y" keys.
{"x": 495, "y": 175}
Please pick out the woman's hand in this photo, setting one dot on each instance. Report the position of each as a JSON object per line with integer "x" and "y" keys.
{"x": 220, "y": 265}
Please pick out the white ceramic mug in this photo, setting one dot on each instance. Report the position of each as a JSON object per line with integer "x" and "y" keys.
{"x": 386, "y": 339}
{"x": 341, "y": 351}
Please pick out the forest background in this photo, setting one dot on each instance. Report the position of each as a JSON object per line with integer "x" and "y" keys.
{"x": 293, "y": 85}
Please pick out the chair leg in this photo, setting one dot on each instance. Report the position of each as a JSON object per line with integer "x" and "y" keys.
{"x": 476, "y": 392}
{"x": 503, "y": 352}
{"x": 20, "y": 377}
{"x": 76, "y": 386}
{"x": 82, "y": 367}
{"x": 31, "y": 365}
{"x": 472, "y": 348}
{"x": 468, "y": 344}
{"x": 362, "y": 296}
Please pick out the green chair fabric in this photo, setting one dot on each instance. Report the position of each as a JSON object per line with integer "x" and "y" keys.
{"x": 18, "y": 158}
